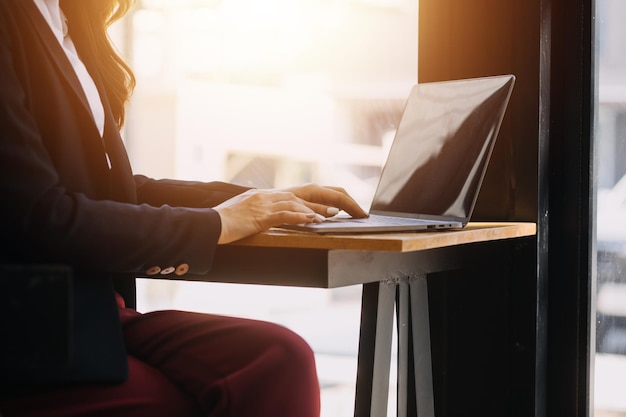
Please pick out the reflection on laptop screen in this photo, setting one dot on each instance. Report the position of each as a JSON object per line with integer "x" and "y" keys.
{"x": 440, "y": 153}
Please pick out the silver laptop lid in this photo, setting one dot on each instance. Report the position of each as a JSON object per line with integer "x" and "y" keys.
{"x": 441, "y": 149}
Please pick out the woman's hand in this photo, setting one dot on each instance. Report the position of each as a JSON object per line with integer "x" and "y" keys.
{"x": 257, "y": 210}
{"x": 327, "y": 201}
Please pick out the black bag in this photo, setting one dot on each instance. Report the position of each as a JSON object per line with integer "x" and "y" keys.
{"x": 58, "y": 329}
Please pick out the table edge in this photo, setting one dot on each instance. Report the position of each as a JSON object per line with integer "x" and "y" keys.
{"x": 474, "y": 232}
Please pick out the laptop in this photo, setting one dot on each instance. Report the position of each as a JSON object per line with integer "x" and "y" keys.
{"x": 437, "y": 161}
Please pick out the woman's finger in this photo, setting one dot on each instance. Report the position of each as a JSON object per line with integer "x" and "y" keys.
{"x": 321, "y": 198}
{"x": 323, "y": 209}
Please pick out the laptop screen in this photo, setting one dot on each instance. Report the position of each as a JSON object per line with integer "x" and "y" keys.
{"x": 442, "y": 147}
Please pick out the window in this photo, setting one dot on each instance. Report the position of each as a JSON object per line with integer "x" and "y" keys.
{"x": 271, "y": 94}
{"x": 610, "y": 363}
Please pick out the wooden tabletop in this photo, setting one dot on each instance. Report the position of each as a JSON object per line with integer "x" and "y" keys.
{"x": 392, "y": 242}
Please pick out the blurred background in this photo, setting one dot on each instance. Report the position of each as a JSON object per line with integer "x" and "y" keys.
{"x": 610, "y": 365}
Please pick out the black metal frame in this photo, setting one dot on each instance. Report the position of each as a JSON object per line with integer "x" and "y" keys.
{"x": 415, "y": 384}
{"x": 543, "y": 167}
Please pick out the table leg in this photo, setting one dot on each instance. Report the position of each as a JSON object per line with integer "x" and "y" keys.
{"x": 415, "y": 388}
{"x": 420, "y": 329}
{"x": 374, "y": 360}
{"x": 406, "y": 379}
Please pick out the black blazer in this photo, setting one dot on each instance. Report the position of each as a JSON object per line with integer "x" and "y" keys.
{"x": 63, "y": 203}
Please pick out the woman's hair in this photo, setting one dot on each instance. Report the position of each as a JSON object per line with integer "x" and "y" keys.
{"x": 88, "y": 21}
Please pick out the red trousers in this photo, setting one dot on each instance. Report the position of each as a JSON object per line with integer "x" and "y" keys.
{"x": 190, "y": 364}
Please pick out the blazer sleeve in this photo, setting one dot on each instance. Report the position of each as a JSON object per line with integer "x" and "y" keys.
{"x": 184, "y": 193}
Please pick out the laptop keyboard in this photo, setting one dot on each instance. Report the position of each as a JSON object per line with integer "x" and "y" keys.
{"x": 374, "y": 219}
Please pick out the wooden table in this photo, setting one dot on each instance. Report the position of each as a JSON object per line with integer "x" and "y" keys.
{"x": 392, "y": 268}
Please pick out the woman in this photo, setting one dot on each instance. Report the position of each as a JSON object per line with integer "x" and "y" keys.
{"x": 71, "y": 198}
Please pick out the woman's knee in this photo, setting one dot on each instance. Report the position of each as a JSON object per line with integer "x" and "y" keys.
{"x": 286, "y": 382}
{"x": 295, "y": 353}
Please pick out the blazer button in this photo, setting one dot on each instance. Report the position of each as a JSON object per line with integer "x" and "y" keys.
{"x": 168, "y": 270}
{"x": 153, "y": 270}
{"x": 182, "y": 269}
